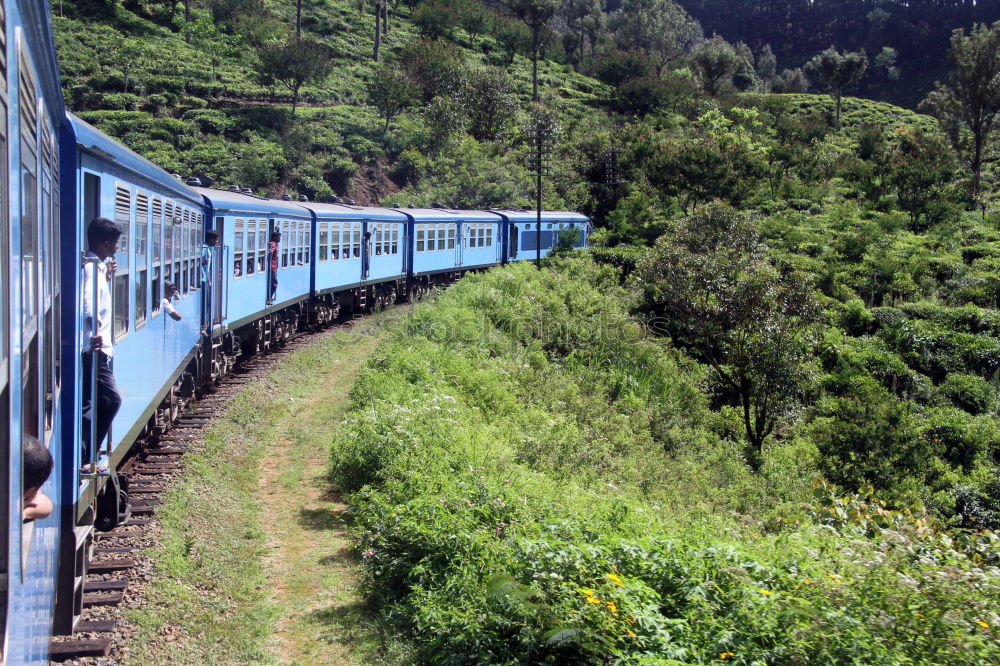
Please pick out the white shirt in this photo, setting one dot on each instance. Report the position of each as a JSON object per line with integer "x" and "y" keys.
{"x": 167, "y": 306}
{"x": 103, "y": 306}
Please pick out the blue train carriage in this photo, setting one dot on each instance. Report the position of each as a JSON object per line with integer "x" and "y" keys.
{"x": 524, "y": 239}
{"x": 162, "y": 222}
{"x": 31, "y": 110}
{"x": 254, "y": 303}
{"x": 360, "y": 253}
{"x": 447, "y": 242}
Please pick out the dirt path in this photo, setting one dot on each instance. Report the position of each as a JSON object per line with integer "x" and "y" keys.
{"x": 313, "y": 576}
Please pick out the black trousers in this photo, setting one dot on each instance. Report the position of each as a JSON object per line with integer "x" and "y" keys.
{"x": 108, "y": 399}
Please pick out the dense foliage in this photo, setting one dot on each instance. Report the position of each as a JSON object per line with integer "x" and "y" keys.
{"x": 537, "y": 480}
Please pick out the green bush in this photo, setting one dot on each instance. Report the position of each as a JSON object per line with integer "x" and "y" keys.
{"x": 969, "y": 392}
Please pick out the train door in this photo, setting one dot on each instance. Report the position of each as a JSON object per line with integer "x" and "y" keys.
{"x": 271, "y": 284}
{"x": 457, "y": 230}
{"x": 366, "y": 250}
{"x": 218, "y": 259}
{"x": 514, "y": 238}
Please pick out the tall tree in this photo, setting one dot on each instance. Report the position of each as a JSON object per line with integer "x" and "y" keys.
{"x": 537, "y": 16}
{"x": 969, "y": 99}
{"x": 710, "y": 278}
{"x": 295, "y": 63}
{"x": 716, "y": 61}
{"x": 390, "y": 92}
{"x": 835, "y": 71}
{"x": 659, "y": 27}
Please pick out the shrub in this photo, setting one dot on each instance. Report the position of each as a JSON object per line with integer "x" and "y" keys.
{"x": 969, "y": 392}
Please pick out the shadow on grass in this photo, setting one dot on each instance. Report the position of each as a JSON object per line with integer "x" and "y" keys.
{"x": 350, "y": 625}
{"x": 321, "y": 519}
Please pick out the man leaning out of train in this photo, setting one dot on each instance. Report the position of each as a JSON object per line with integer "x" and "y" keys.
{"x": 167, "y": 304}
{"x": 98, "y": 346}
{"x": 35, "y": 505}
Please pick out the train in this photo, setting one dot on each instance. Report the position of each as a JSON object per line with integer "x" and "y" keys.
{"x": 247, "y": 273}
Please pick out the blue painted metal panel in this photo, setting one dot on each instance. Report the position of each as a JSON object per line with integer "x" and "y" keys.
{"x": 338, "y": 269}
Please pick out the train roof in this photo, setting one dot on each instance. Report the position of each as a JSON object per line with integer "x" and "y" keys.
{"x": 92, "y": 140}
{"x": 448, "y": 215}
{"x": 547, "y": 215}
{"x": 349, "y": 212}
{"x": 237, "y": 202}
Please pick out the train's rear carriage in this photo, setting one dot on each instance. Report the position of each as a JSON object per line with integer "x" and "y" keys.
{"x": 31, "y": 113}
{"x": 247, "y": 283}
{"x": 524, "y": 238}
{"x": 447, "y": 241}
{"x": 161, "y": 221}
{"x": 360, "y": 252}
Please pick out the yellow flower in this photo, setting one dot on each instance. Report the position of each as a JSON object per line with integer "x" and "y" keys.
{"x": 615, "y": 579}
{"x": 982, "y": 624}
{"x": 630, "y": 619}
{"x": 807, "y": 580}
{"x": 587, "y": 592}
{"x": 593, "y": 600}
{"x": 726, "y": 655}
{"x": 765, "y": 592}
{"x": 835, "y": 578}
{"x": 611, "y": 607}
{"x": 631, "y": 634}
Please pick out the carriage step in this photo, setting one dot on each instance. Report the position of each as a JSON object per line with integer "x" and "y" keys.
{"x": 72, "y": 649}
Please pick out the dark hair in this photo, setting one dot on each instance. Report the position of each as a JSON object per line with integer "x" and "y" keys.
{"x": 275, "y": 234}
{"x": 37, "y": 463}
{"x": 211, "y": 235}
{"x": 168, "y": 286}
{"x": 102, "y": 229}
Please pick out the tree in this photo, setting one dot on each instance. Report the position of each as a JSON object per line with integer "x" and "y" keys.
{"x": 295, "y": 63}
{"x": 658, "y": 27}
{"x": 790, "y": 81}
{"x": 490, "y": 101}
{"x": 921, "y": 169}
{"x": 536, "y": 16}
{"x": 767, "y": 64}
{"x": 129, "y": 54}
{"x": 836, "y": 71}
{"x": 435, "y": 20}
{"x": 582, "y": 20}
{"x": 716, "y": 61}
{"x": 435, "y": 67}
{"x": 390, "y": 92}
{"x": 711, "y": 279}
{"x": 969, "y": 98}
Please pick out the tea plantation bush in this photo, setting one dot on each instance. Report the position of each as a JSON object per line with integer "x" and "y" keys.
{"x": 536, "y": 479}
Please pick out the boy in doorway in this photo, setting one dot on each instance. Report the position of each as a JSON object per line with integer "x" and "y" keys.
{"x": 272, "y": 258}
{"x": 98, "y": 342}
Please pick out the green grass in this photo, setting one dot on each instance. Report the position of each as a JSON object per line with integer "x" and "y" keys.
{"x": 242, "y": 557}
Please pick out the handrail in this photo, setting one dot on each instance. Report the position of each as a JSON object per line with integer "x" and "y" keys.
{"x": 225, "y": 263}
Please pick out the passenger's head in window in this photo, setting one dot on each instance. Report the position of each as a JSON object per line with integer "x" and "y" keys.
{"x": 37, "y": 467}
{"x": 102, "y": 237}
{"x": 211, "y": 238}
{"x": 169, "y": 290}
{"x": 275, "y": 236}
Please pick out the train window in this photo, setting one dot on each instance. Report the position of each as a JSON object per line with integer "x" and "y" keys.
{"x": 308, "y": 240}
{"x": 190, "y": 247}
{"x": 303, "y": 243}
{"x": 122, "y": 291}
{"x": 489, "y": 235}
{"x": 324, "y": 240}
{"x": 287, "y": 240}
{"x": 196, "y": 236}
{"x": 442, "y": 233}
{"x": 550, "y": 226}
{"x": 378, "y": 239}
{"x": 357, "y": 239}
{"x": 420, "y": 238}
{"x": 249, "y": 265}
{"x": 431, "y": 237}
{"x": 451, "y": 236}
{"x": 334, "y": 240}
{"x": 238, "y": 248}
{"x": 345, "y": 240}
{"x": 156, "y": 251}
{"x": 395, "y": 239}
{"x": 261, "y": 245}
{"x": 175, "y": 233}
{"x": 141, "y": 257}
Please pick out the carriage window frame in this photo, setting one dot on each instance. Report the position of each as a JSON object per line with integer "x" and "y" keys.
{"x": 250, "y": 248}
{"x": 156, "y": 251}
{"x": 122, "y": 302}
{"x": 451, "y": 236}
{"x": 420, "y": 238}
{"x": 395, "y": 239}
{"x": 140, "y": 247}
{"x": 356, "y": 239}
{"x": 239, "y": 226}
{"x": 489, "y": 235}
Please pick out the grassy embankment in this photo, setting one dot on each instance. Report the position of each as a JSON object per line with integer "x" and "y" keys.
{"x": 535, "y": 481}
{"x": 253, "y": 566}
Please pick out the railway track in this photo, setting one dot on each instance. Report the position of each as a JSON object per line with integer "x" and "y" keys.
{"x": 118, "y": 569}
